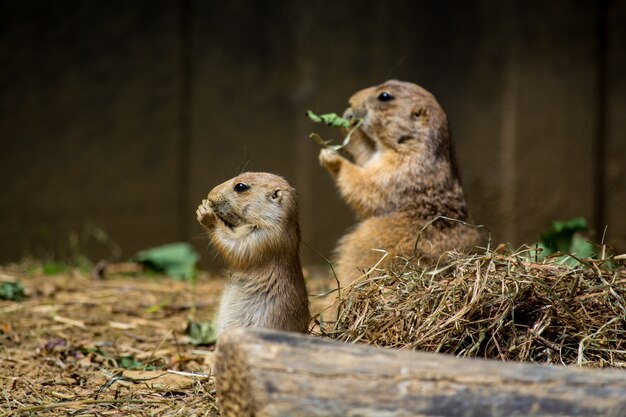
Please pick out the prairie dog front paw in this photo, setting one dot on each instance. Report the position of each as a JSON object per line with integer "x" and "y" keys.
{"x": 331, "y": 160}
{"x": 205, "y": 214}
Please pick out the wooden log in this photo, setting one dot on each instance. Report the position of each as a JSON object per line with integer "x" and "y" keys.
{"x": 264, "y": 373}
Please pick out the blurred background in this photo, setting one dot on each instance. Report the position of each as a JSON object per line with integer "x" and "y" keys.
{"x": 117, "y": 118}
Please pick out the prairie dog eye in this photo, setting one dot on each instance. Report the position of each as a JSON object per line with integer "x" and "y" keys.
{"x": 241, "y": 187}
{"x": 385, "y": 96}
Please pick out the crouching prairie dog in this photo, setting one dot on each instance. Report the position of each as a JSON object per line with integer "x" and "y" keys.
{"x": 252, "y": 221}
{"x": 403, "y": 175}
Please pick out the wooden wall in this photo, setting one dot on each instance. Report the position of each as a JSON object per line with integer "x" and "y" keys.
{"x": 124, "y": 114}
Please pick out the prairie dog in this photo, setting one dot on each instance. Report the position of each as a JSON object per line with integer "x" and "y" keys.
{"x": 404, "y": 175}
{"x": 252, "y": 221}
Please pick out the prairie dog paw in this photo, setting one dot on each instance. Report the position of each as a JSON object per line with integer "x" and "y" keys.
{"x": 330, "y": 160}
{"x": 205, "y": 214}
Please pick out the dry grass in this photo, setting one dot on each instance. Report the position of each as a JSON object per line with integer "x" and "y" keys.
{"x": 65, "y": 349}
{"x": 62, "y": 349}
{"x": 499, "y": 304}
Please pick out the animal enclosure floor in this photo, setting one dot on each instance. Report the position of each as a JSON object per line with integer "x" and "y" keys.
{"x": 78, "y": 346}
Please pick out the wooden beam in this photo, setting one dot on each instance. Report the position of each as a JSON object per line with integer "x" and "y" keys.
{"x": 265, "y": 373}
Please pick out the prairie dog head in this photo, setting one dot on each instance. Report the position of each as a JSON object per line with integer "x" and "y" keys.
{"x": 256, "y": 219}
{"x": 399, "y": 117}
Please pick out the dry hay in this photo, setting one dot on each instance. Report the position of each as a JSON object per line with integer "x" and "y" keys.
{"x": 500, "y": 304}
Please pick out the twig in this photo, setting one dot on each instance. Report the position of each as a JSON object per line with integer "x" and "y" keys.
{"x": 71, "y": 322}
{"x": 190, "y": 374}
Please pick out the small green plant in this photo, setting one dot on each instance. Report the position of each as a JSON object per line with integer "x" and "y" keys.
{"x": 201, "y": 333}
{"x": 12, "y": 291}
{"x": 54, "y": 268}
{"x": 565, "y": 237}
{"x": 128, "y": 362}
{"x": 329, "y": 119}
{"x": 333, "y": 120}
{"x": 177, "y": 260}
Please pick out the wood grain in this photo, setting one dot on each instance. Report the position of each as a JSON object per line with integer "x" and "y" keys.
{"x": 263, "y": 373}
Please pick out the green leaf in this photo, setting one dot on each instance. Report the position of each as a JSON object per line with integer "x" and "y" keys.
{"x": 559, "y": 237}
{"x": 314, "y": 117}
{"x": 128, "y": 362}
{"x": 177, "y": 260}
{"x": 201, "y": 333}
{"x": 155, "y": 308}
{"x": 12, "y": 291}
{"x": 564, "y": 237}
{"x": 53, "y": 268}
{"x": 581, "y": 247}
{"x": 329, "y": 119}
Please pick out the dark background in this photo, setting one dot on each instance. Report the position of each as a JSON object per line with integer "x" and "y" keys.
{"x": 122, "y": 115}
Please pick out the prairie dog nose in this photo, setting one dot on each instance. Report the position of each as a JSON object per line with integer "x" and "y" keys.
{"x": 215, "y": 195}
{"x": 351, "y": 113}
{"x": 215, "y": 199}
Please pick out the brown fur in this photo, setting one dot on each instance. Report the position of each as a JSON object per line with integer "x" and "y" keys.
{"x": 404, "y": 175}
{"x": 256, "y": 230}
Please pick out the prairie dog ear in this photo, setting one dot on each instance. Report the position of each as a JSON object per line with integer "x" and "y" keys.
{"x": 277, "y": 195}
{"x": 420, "y": 114}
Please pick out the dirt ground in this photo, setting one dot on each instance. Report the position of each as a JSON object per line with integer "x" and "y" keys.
{"x": 84, "y": 347}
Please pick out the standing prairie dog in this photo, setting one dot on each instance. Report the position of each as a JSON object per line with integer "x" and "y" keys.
{"x": 403, "y": 176}
{"x": 252, "y": 221}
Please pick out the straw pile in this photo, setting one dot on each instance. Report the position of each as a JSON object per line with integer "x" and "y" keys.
{"x": 500, "y": 304}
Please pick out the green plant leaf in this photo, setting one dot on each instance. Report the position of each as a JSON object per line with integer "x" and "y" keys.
{"x": 559, "y": 237}
{"x": 565, "y": 237}
{"x": 201, "y": 333}
{"x": 128, "y": 362}
{"x": 332, "y": 120}
{"x": 155, "y": 308}
{"x": 329, "y": 119}
{"x": 53, "y": 268}
{"x": 12, "y": 291}
{"x": 177, "y": 260}
{"x": 581, "y": 247}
